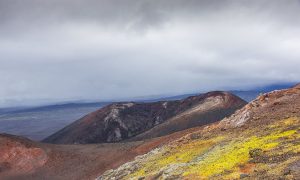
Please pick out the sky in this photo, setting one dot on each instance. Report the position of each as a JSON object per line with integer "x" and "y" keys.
{"x": 61, "y": 50}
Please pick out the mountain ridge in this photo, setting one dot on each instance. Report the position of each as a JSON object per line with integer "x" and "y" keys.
{"x": 120, "y": 121}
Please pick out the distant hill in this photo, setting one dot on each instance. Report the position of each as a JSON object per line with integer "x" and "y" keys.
{"x": 39, "y": 122}
{"x": 121, "y": 121}
{"x": 250, "y": 95}
{"x": 247, "y": 95}
{"x": 51, "y": 107}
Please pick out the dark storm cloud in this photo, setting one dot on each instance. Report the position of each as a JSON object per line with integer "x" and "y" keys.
{"x": 90, "y": 49}
{"x": 137, "y": 13}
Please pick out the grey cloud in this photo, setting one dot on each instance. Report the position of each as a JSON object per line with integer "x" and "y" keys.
{"x": 87, "y": 49}
{"x": 136, "y": 13}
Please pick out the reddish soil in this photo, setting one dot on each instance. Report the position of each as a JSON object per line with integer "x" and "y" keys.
{"x": 48, "y": 161}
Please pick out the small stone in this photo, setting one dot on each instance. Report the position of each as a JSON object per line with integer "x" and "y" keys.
{"x": 244, "y": 175}
{"x": 195, "y": 136}
{"x": 255, "y": 152}
{"x": 287, "y": 172}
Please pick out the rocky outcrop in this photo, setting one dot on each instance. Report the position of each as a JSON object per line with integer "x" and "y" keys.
{"x": 122, "y": 121}
{"x": 265, "y": 102}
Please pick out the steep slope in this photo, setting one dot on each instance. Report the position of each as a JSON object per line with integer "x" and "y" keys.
{"x": 260, "y": 141}
{"x": 122, "y": 121}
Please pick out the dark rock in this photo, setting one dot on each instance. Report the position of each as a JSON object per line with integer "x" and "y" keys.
{"x": 254, "y": 153}
{"x": 4, "y": 166}
{"x": 195, "y": 136}
{"x": 244, "y": 176}
{"x": 293, "y": 169}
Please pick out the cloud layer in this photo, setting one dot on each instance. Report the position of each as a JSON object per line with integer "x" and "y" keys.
{"x": 89, "y": 49}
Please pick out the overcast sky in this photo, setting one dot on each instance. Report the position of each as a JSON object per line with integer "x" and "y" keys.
{"x": 59, "y": 50}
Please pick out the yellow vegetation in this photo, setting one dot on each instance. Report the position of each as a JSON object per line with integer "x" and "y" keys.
{"x": 285, "y": 122}
{"x": 236, "y": 152}
{"x": 170, "y": 155}
{"x": 225, "y": 155}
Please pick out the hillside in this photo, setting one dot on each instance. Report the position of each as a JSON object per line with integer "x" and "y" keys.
{"x": 260, "y": 141}
{"x": 21, "y": 158}
{"x": 122, "y": 121}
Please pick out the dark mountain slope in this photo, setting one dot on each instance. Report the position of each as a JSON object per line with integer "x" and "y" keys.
{"x": 122, "y": 121}
{"x": 212, "y": 109}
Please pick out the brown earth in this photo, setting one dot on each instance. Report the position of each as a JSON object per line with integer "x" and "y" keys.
{"x": 21, "y": 158}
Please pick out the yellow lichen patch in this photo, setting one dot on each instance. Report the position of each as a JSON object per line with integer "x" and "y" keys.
{"x": 236, "y": 152}
{"x": 289, "y": 145}
{"x": 286, "y": 122}
{"x": 291, "y": 121}
{"x": 187, "y": 152}
{"x": 175, "y": 155}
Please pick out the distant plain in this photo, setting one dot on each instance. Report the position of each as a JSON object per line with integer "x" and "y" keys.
{"x": 38, "y": 124}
